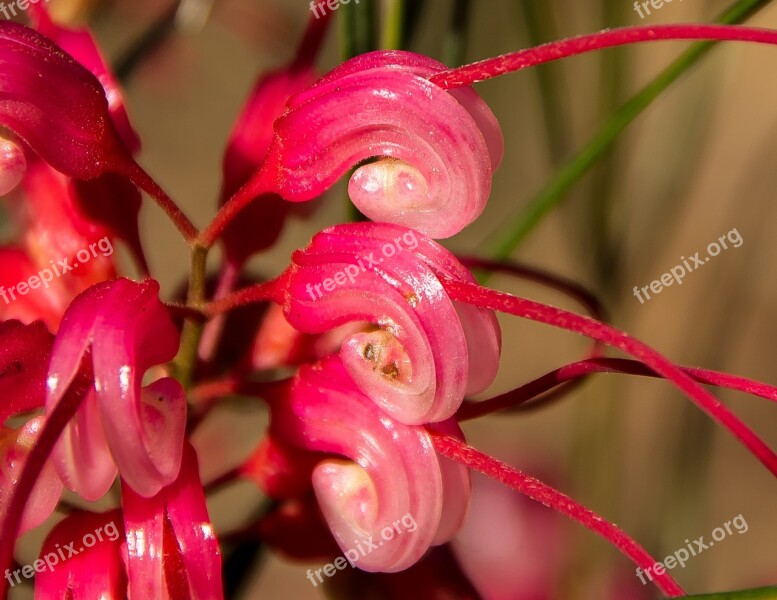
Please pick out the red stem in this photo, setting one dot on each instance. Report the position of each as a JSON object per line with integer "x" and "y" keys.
{"x": 145, "y": 182}
{"x": 274, "y": 291}
{"x": 538, "y": 491}
{"x": 530, "y": 57}
{"x": 582, "y": 369}
{"x": 535, "y": 311}
{"x": 55, "y": 424}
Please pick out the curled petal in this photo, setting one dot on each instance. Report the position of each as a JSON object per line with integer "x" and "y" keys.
{"x": 172, "y": 528}
{"x": 80, "y": 456}
{"x": 426, "y": 352}
{"x": 57, "y": 106}
{"x": 436, "y": 149}
{"x": 24, "y": 356}
{"x": 389, "y": 474}
{"x": 95, "y": 571}
{"x": 15, "y": 446}
{"x": 128, "y": 330}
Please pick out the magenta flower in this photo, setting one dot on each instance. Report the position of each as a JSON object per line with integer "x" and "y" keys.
{"x": 421, "y": 352}
{"x": 172, "y": 551}
{"x": 391, "y": 469}
{"x": 121, "y": 330}
{"x": 374, "y": 341}
{"x": 438, "y": 148}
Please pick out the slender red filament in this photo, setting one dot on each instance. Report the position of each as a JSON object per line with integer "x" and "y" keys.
{"x": 530, "y": 57}
{"x": 582, "y": 369}
{"x": 272, "y": 291}
{"x": 535, "y": 311}
{"x": 538, "y": 491}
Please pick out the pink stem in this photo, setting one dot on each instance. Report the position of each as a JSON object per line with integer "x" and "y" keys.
{"x": 538, "y": 491}
{"x": 145, "y": 182}
{"x": 36, "y": 460}
{"x": 530, "y": 57}
{"x": 535, "y": 311}
{"x": 579, "y": 370}
{"x": 272, "y": 291}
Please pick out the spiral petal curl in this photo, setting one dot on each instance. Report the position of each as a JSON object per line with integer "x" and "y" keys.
{"x": 435, "y": 150}
{"x": 390, "y": 472}
{"x": 423, "y": 352}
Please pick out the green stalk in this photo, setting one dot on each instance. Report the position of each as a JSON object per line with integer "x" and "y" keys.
{"x": 186, "y": 360}
{"x": 392, "y": 34}
{"x": 508, "y": 238}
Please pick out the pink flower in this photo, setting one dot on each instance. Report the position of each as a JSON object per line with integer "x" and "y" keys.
{"x": 387, "y": 470}
{"x": 423, "y": 352}
{"x": 436, "y": 149}
{"x": 172, "y": 550}
{"x": 122, "y": 329}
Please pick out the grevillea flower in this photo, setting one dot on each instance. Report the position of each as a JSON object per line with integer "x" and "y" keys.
{"x": 83, "y": 558}
{"x": 122, "y": 329}
{"x": 172, "y": 550}
{"x": 423, "y": 352}
{"x": 388, "y": 469}
{"x": 436, "y": 150}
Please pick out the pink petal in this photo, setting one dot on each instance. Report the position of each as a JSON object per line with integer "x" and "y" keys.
{"x": 182, "y": 506}
{"x": 128, "y": 330}
{"x": 389, "y": 470}
{"x": 437, "y": 149}
{"x": 95, "y": 571}
{"x": 416, "y": 364}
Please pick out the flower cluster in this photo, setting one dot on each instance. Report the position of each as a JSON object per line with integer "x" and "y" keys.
{"x": 103, "y": 383}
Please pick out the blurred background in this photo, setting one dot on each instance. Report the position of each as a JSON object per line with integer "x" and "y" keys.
{"x": 698, "y": 163}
